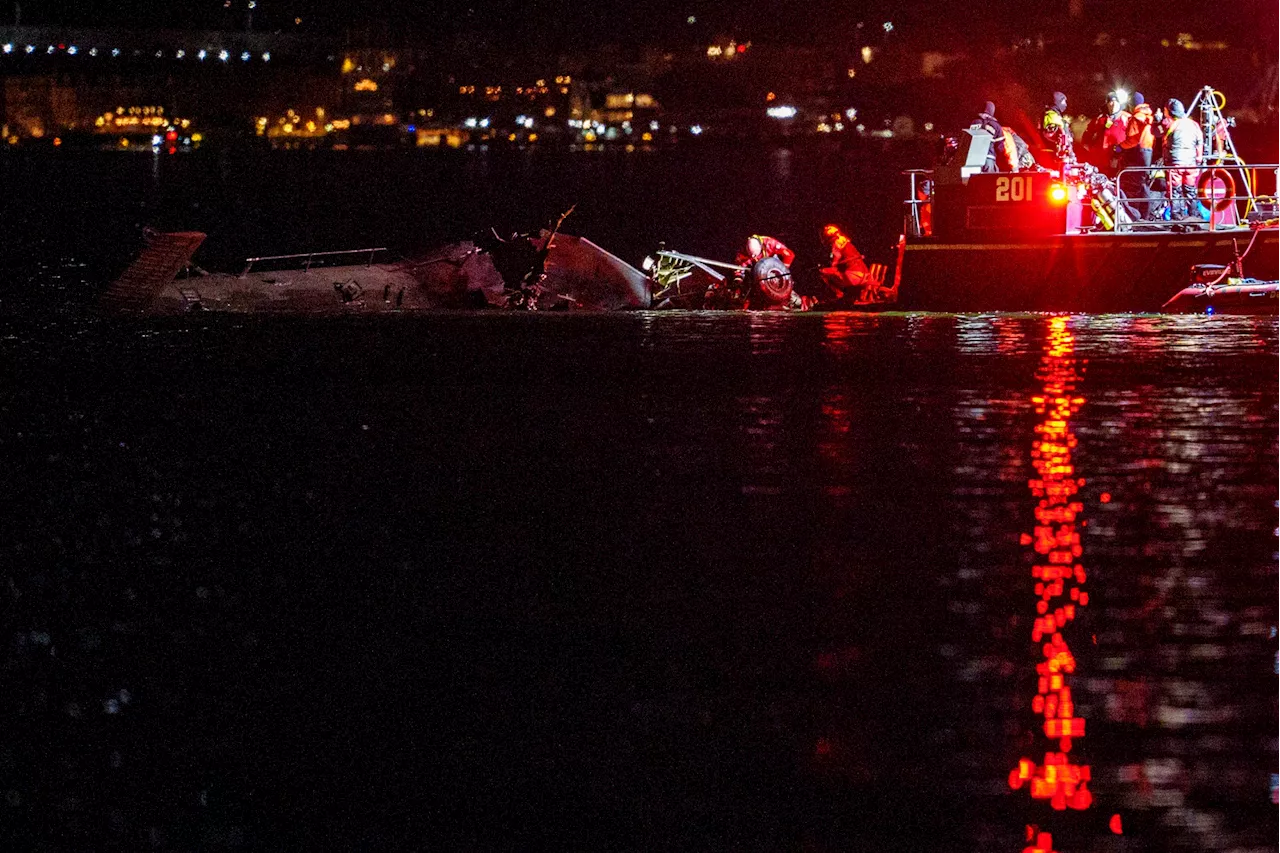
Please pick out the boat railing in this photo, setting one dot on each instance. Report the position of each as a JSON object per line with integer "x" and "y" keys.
{"x": 920, "y": 195}
{"x": 1242, "y": 182}
{"x": 308, "y": 257}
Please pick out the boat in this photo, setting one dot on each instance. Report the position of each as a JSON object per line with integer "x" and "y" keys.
{"x": 1042, "y": 240}
{"x": 1216, "y": 289}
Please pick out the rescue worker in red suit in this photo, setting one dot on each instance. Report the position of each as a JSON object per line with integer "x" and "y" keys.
{"x": 1139, "y": 141}
{"x": 847, "y": 271}
{"x": 759, "y": 247}
{"x": 1104, "y": 136}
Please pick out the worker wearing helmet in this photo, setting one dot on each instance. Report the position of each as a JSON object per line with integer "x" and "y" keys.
{"x": 1105, "y": 134}
{"x": 760, "y": 246}
{"x": 847, "y": 272}
{"x": 1140, "y": 139}
{"x": 1055, "y": 130}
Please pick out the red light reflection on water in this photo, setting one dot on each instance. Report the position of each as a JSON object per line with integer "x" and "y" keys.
{"x": 1059, "y": 585}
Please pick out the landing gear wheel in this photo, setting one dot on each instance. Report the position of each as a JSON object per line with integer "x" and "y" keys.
{"x": 769, "y": 282}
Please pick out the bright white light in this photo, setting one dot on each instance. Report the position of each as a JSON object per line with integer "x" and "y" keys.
{"x": 653, "y": 125}
{"x": 696, "y": 129}
{"x": 888, "y": 26}
{"x": 115, "y": 51}
{"x": 1122, "y": 96}
{"x": 223, "y": 55}
{"x": 266, "y": 57}
{"x": 202, "y": 54}
{"x": 484, "y": 122}
{"x": 781, "y": 112}
{"x": 8, "y": 48}
{"x": 851, "y": 114}
{"x": 31, "y": 48}
{"x": 691, "y": 20}
{"x": 156, "y": 140}
{"x": 839, "y": 125}
{"x": 471, "y": 122}
{"x": 180, "y": 54}
{"x": 528, "y": 123}
{"x": 93, "y": 51}
{"x": 73, "y": 50}
{"x": 244, "y": 57}
{"x": 253, "y": 4}
{"x": 928, "y": 125}
{"x": 520, "y": 119}
{"x": 159, "y": 54}
{"x": 51, "y": 49}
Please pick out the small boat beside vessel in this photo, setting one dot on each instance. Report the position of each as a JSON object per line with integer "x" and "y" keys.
{"x": 1224, "y": 290}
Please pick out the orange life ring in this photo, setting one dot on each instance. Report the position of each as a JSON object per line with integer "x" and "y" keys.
{"x": 1205, "y": 189}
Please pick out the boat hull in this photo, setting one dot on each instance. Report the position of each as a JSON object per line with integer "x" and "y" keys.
{"x": 1086, "y": 273}
{"x": 1235, "y": 297}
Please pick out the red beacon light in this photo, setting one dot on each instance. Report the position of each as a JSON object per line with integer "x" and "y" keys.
{"x": 1058, "y": 193}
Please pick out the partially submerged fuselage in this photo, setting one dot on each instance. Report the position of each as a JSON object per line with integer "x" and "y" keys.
{"x": 575, "y": 274}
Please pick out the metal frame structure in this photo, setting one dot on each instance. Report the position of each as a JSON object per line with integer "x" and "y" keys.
{"x": 249, "y": 262}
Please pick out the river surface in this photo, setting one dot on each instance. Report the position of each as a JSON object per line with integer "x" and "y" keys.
{"x": 648, "y": 581}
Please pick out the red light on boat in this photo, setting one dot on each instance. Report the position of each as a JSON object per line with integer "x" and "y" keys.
{"x": 1057, "y": 193}
{"x": 1116, "y": 825}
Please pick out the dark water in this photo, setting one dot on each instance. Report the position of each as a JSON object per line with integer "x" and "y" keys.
{"x": 634, "y": 582}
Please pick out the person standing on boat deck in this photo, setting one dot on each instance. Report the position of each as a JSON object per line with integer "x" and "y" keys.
{"x": 1002, "y": 156}
{"x": 847, "y": 270}
{"x": 1104, "y": 135}
{"x": 1055, "y": 129}
{"x": 1183, "y": 151}
{"x": 1140, "y": 139}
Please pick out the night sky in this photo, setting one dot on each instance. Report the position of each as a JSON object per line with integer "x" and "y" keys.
{"x": 665, "y": 21}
